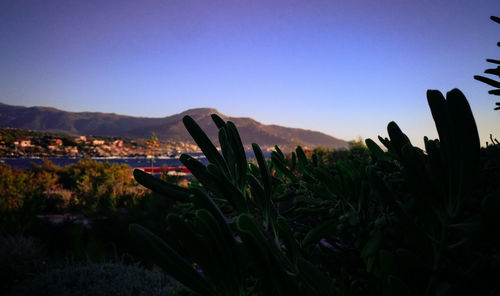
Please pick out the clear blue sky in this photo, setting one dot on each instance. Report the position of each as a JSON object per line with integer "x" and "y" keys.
{"x": 345, "y": 68}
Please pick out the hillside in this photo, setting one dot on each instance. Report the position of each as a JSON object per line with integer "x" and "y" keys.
{"x": 169, "y": 128}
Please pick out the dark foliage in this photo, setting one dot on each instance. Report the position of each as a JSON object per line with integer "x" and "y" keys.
{"x": 372, "y": 221}
{"x": 493, "y": 71}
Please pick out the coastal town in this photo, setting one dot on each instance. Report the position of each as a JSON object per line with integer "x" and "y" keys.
{"x": 15, "y": 142}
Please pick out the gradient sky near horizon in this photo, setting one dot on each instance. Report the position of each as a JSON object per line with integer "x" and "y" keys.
{"x": 345, "y": 68}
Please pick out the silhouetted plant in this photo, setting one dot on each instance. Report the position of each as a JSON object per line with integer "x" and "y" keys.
{"x": 400, "y": 221}
{"x": 434, "y": 210}
{"x": 250, "y": 249}
{"x": 492, "y": 71}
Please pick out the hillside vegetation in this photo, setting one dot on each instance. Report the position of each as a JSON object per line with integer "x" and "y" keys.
{"x": 168, "y": 128}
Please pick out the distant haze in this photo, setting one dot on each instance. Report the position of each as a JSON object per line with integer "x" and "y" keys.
{"x": 345, "y": 68}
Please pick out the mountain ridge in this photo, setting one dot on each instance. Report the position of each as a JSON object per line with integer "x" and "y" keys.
{"x": 168, "y": 128}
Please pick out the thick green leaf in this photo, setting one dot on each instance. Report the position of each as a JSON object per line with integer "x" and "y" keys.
{"x": 198, "y": 170}
{"x": 466, "y": 140}
{"x": 376, "y": 151}
{"x": 317, "y": 233}
{"x": 398, "y": 138}
{"x": 229, "y": 155}
{"x": 170, "y": 260}
{"x": 280, "y": 153}
{"x": 494, "y": 92}
{"x": 202, "y": 140}
{"x": 493, "y": 61}
{"x": 189, "y": 240}
{"x": 316, "y": 279}
{"x": 219, "y": 122}
{"x": 373, "y": 244}
{"x": 417, "y": 174}
{"x": 264, "y": 170}
{"x": 258, "y": 194}
{"x": 227, "y": 189}
{"x": 274, "y": 270}
{"x": 161, "y": 187}
{"x": 493, "y": 71}
{"x": 387, "y": 143}
{"x": 260, "y": 255}
{"x": 292, "y": 247}
{"x": 206, "y": 202}
{"x": 239, "y": 153}
{"x": 328, "y": 181}
{"x": 302, "y": 160}
{"x": 441, "y": 116}
{"x": 487, "y": 80}
{"x": 314, "y": 160}
{"x": 224, "y": 267}
{"x": 280, "y": 166}
{"x": 387, "y": 262}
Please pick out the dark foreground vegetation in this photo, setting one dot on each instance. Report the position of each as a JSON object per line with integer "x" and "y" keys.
{"x": 492, "y": 71}
{"x": 395, "y": 220}
{"x": 398, "y": 222}
{"x": 64, "y": 231}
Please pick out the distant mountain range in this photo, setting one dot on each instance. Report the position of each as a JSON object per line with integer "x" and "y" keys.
{"x": 169, "y": 128}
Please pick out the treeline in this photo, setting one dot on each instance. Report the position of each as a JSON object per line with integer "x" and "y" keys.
{"x": 86, "y": 187}
{"x": 53, "y": 220}
{"x": 65, "y": 229}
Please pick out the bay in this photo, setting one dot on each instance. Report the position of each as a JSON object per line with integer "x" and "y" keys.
{"x": 134, "y": 162}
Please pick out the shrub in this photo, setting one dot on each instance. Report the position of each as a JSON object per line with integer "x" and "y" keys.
{"x": 20, "y": 258}
{"x": 98, "y": 279}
